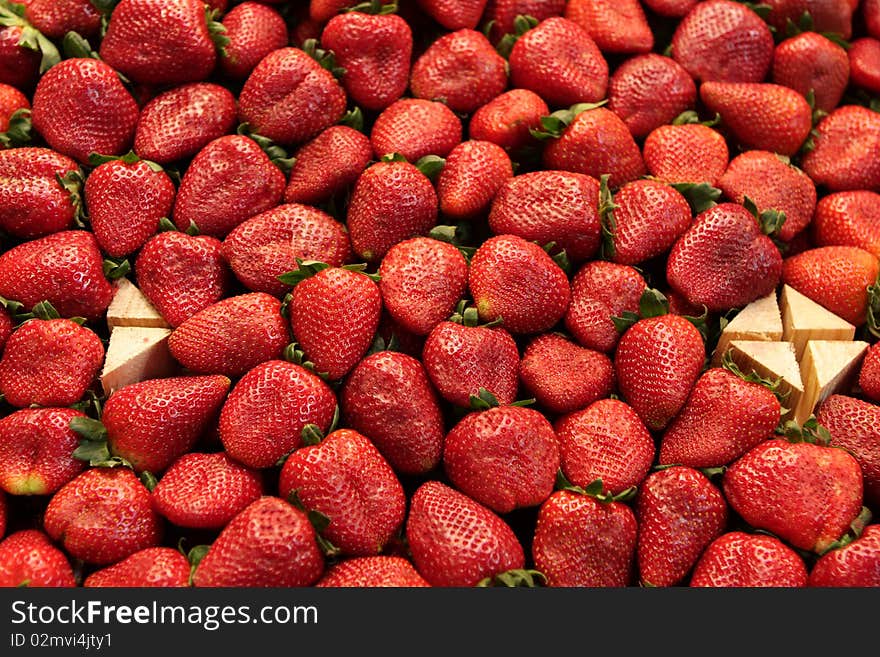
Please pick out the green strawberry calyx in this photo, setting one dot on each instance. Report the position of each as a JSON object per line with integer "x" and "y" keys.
{"x": 595, "y": 489}
{"x": 165, "y": 224}
{"x": 769, "y": 220}
{"x": 856, "y": 527}
{"x": 326, "y": 58}
{"x": 689, "y": 117}
{"x": 93, "y": 447}
{"x": 873, "y": 315}
{"x": 458, "y": 235}
{"x": 19, "y": 132}
{"x": 653, "y": 303}
{"x": 606, "y": 218}
{"x": 12, "y": 15}
{"x": 808, "y": 432}
{"x": 516, "y": 578}
{"x": 72, "y": 183}
{"x": 217, "y": 31}
{"x": 97, "y": 159}
{"x": 353, "y": 118}
{"x": 805, "y": 24}
{"x": 468, "y": 315}
{"x": 116, "y": 268}
{"x": 521, "y": 24}
{"x": 701, "y": 196}
{"x": 276, "y": 154}
{"x": 293, "y": 353}
{"x": 308, "y": 268}
{"x": 194, "y": 555}
{"x": 319, "y": 521}
{"x": 374, "y": 8}
{"x": 485, "y": 399}
{"x": 553, "y": 125}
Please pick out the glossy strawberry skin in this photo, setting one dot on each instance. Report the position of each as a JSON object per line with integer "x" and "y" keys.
{"x": 689, "y": 153}
{"x": 847, "y": 152}
{"x": 11, "y": 100}
{"x": 254, "y": 30}
{"x": 415, "y": 127}
{"x": 5, "y": 328}
{"x": 19, "y": 66}
{"x": 153, "y": 567}
{"x": 648, "y": 219}
{"x": 827, "y": 15}
{"x": 849, "y": 219}
{"x": 616, "y": 27}
{"x": 506, "y": 119}
{"x": 737, "y": 559}
{"x": 869, "y": 377}
{"x": 854, "y": 565}
{"x": 810, "y": 61}
{"x": 501, "y": 14}
{"x": 386, "y": 571}
{"x": 454, "y": 15}
{"x": 328, "y": 165}
{"x": 473, "y": 174}
{"x": 28, "y": 558}
{"x": 55, "y": 18}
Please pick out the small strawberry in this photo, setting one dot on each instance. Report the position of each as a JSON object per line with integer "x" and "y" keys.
{"x": 507, "y": 119}
{"x": 415, "y": 127}
{"x": 869, "y": 377}
{"x": 473, "y": 174}
{"x": 328, "y": 165}
{"x": 500, "y": 15}
{"x": 824, "y": 15}
{"x": 154, "y": 567}
{"x": 847, "y": 150}
{"x": 254, "y": 30}
{"x": 617, "y": 26}
{"x": 55, "y": 18}
{"x": 388, "y": 571}
{"x": 28, "y": 558}
{"x": 811, "y": 62}
{"x": 849, "y": 219}
{"x": 737, "y": 559}
{"x": 688, "y": 153}
{"x": 454, "y": 15}
{"x": 856, "y": 564}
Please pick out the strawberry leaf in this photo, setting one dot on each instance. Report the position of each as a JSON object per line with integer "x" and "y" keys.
{"x": 353, "y": 118}
{"x": 75, "y": 46}
{"x": 104, "y": 6}
{"x": 626, "y": 319}
{"x": 873, "y": 315}
{"x": 700, "y": 196}
{"x": 311, "y": 434}
{"x": 521, "y": 25}
{"x": 518, "y": 578}
{"x": 45, "y": 310}
{"x": 217, "y": 31}
{"x": 20, "y": 130}
{"x": 606, "y": 218}
{"x": 483, "y": 400}
{"x": 653, "y": 303}
{"x": 305, "y": 269}
{"x": 113, "y": 269}
{"x": 325, "y": 58}
{"x": 430, "y": 166}
{"x": 374, "y": 7}
{"x": 148, "y": 479}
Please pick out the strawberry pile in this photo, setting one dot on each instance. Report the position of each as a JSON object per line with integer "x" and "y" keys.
{"x": 443, "y": 281}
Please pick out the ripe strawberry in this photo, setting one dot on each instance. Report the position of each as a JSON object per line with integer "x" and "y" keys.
{"x": 671, "y": 8}
{"x": 267, "y": 245}
{"x": 19, "y": 66}
{"x": 28, "y": 558}
{"x": 392, "y": 201}
{"x": 372, "y": 572}
{"x": 599, "y": 291}
{"x": 103, "y": 516}
{"x": 864, "y": 64}
{"x": 809, "y": 61}
{"x": 500, "y": 15}
{"x": 64, "y": 269}
{"x": 825, "y": 15}
{"x": 290, "y": 98}
{"x": 154, "y": 567}
{"x": 33, "y": 201}
{"x": 327, "y": 165}
{"x": 836, "y": 277}
{"x": 456, "y": 541}
{"x": 689, "y": 153}
{"x": 267, "y": 409}
{"x": 606, "y": 441}
{"x": 724, "y": 41}
{"x": 616, "y": 26}
{"x": 231, "y": 336}
{"x": 55, "y": 18}
{"x": 182, "y": 275}
{"x": 869, "y": 377}
{"x": 81, "y": 107}
{"x": 560, "y": 62}
{"x": 375, "y": 51}
{"x": 323, "y": 10}
{"x": 11, "y": 101}
{"x": 178, "y": 123}
{"x": 849, "y": 219}
{"x": 737, "y": 559}
{"x": 473, "y": 174}
{"x": 414, "y": 128}
{"x": 563, "y": 376}
{"x": 724, "y": 417}
{"x": 205, "y": 491}
{"x": 507, "y": 119}
{"x": 254, "y": 30}
{"x": 871, "y": 13}
{"x": 5, "y": 332}
{"x": 680, "y": 512}
{"x": 856, "y": 564}
{"x": 847, "y": 152}
{"x": 2, "y": 514}
{"x": 454, "y": 15}
{"x": 550, "y": 206}
{"x": 270, "y": 543}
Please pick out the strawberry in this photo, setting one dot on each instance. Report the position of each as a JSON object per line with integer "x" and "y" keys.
{"x": 849, "y": 219}
{"x": 55, "y": 18}
{"x": 64, "y": 269}
{"x": 375, "y": 51}
{"x": 809, "y": 61}
{"x": 328, "y": 165}
{"x": 724, "y": 260}
{"x": 154, "y": 43}
{"x": 178, "y": 123}
{"x": 856, "y": 564}
{"x": 267, "y": 410}
{"x": 560, "y": 62}
{"x": 864, "y": 64}
{"x": 550, "y": 206}
{"x": 422, "y": 280}
{"x": 5, "y": 331}
{"x": 616, "y": 26}
{"x": 103, "y": 516}
{"x": 346, "y": 479}
{"x": 205, "y": 490}
{"x": 724, "y": 41}
{"x": 270, "y": 543}
{"x": 871, "y": 12}
{"x": 182, "y": 275}
{"x": 372, "y": 572}
{"x": 836, "y": 277}
{"x": 231, "y": 336}
{"x": 3, "y": 513}
{"x": 322, "y": 10}
{"x": 473, "y": 174}
{"x": 415, "y": 127}
{"x": 456, "y": 541}
{"x": 254, "y": 30}
{"x": 11, "y": 101}
{"x": 724, "y": 417}
{"x": 847, "y": 150}
{"x": 563, "y": 376}
{"x": 737, "y": 559}
{"x": 268, "y": 245}
{"x": 689, "y": 153}
{"x": 500, "y": 15}
{"x": 671, "y": 8}
{"x": 36, "y": 455}
{"x": 229, "y": 180}
{"x": 825, "y": 15}
{"x": 39, "y": 191}
{"x": 505, "y": 457}
{"x": 507, "y": 119}
{"x": 28, "y": 558}
{"x": 515, "y": 280}
{"x": 389, "y": 399}
{"x": 290, "y": 98}
{"x": 154, "y": 567}
{"x": 680, "y": 512}
{"x": 81, "y": 107}
{"x": 605, "y": 441}
{"x": 19, "y": 65}
{"x": 125, "y": 201}
{"x": 454, "y": 15}
{"x": 392, "y": 201}
{"x": 869, "y": 377}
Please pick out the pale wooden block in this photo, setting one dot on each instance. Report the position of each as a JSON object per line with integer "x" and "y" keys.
{"x": 760, "y": 320}
{"x": 803, "y": 320}
{"x": 828, "y": 367}
{"x": 136, "y": 354}
{"x": 772, "y": 360}
{"x": 131, "y": 308}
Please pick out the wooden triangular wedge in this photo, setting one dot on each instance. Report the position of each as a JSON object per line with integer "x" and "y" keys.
{"x": 131, "y": 308}
{"x": 760, "y": 320}
{"x": 136, "y": 354}
{"x": 803, "y": 320}
{"x": 771, "y": 360}
{"x": 828, "y": 367}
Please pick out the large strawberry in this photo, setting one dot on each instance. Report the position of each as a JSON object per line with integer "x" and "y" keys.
{"x": 253, "y": 30}
{"x": 688, "y": 153}
{"x": 856, "y": 564}
{"x": 28, "y": 558}
{"x": 415, "y": 127}
{"x": 388, "y": 571}
{"x": 507, "y": 119}
{"x": 737, "y": 559}
{"x": 847, "y": 150}
{"x": 473, "y": 174}
{"x": 849, "y": 219}
{"x": 153, "y": 567}
{"x": 328, "y": 165}
{"x": 616, "y": 26}
{"x": 811, "y": 62}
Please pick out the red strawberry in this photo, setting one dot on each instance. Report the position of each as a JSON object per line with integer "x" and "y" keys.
{"x": 871, "y": 12}
{"x": 836, "y": 277}
{"x": 847, "y": 152}
{"x": 473, "y": 174}
{"x": 672, "y": 8}
{"x": 504, "y": 458}
{"x": 375, "y": 51}
{"x": 323, "y": 10}
{"x": 825, "y": 15}
{"x": 372, "y": 572}
{"x": 182, "y": 275}
{"x": 808, "y": 62}
{"x": 205, "y": 490}
{"x": 178, "y": 123}
{"x": 414, "y": 128}
{"x": 5, "y": 332}
{"x": 267, "y": 410}
{"x": 19, "y": 66}
{"x": 2, "y": 514}
{"x": 550, "y": 206}
{"x": 501, "y": 15}
{"x": 103, "y": 516}
{"x": 154, "y": 567}
{"x": 724, "y": 41}
{"x": 290, "y": 98}
{"x": 270, "y": 543}
{"x": 869, "y": 377}
{"x": 737, "y": 559}
{"x": 266, "y": 246}
{"x": 724, "y": 260}
{"x": 28, "y": 558}
{"x": 606, "y": 441}
{"x": 849, "y": 219}
{"x": 616, "y": 26}
{"x": 454, "y": 15}
{"x": 507, "y": 119}
{"x": 456, "y": 541}
{"x": 680, "y": 513}
{"x": 560, "y": 62}
{"x": 11, "y": 101}
{"x": 64, "y": 269}
{"x": 689, "y": 153}
{"x": 55, "y": 18}
{"x": 327, "y": 165}
{"x": 33, "y": 201}
{"x": 254, "y": 30}
{"x": 81, "y": 107}
{"x": 563, "y": 376}
{"x": 864, "y": 64}
{"x": 856, "y": 564}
